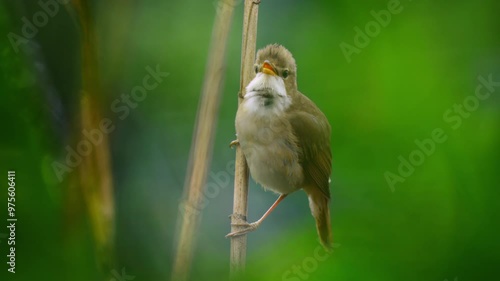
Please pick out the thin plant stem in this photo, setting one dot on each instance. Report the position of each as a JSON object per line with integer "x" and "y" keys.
{"x": 240, "y": 202}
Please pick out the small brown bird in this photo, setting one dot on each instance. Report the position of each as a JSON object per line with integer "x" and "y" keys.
{"x": 285, "y": 138}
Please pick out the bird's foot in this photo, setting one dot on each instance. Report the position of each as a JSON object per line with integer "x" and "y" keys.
{"x": 234, "y": 143}
{"x": 249, "y": 227}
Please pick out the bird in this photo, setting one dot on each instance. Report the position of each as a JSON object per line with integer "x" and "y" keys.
{"x": 285, "y": 138}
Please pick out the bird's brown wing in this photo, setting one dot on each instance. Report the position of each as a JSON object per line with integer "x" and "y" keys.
{"x": 313, "y": 135}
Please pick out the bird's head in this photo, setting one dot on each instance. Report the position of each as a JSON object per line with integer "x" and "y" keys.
{"x": 276, "y": 60}
{"x": 275, "y": 77}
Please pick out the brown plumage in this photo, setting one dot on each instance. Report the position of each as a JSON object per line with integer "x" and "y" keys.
{"x": 285, "y": 137}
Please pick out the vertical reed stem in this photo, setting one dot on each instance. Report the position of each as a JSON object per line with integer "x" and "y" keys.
{"x": 202, "y": 143}
{"x": 249, "y": 39}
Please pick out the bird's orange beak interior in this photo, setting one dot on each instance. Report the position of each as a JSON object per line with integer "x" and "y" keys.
{"x": 267, "y": 68}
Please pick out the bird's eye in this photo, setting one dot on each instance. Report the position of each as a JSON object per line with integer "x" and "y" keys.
{"x": 285, "y": 73}
{"x": 256, "y": 68}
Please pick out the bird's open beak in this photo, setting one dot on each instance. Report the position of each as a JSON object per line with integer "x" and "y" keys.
{"x": 267, "y": 68}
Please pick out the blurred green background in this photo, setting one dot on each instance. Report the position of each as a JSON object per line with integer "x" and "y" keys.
{"x": 440, "y": 223}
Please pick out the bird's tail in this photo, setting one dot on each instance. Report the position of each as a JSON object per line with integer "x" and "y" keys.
{"x": 320, "y": 210}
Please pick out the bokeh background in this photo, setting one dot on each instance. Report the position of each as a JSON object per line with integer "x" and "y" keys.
{"x": 440, "y": 223}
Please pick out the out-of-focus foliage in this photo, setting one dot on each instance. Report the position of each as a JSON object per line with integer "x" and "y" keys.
{"x": 441, "y": 222}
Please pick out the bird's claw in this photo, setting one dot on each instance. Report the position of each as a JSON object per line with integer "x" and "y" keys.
{"x": 234, "y": 143}
{"x": 249, "y": 227}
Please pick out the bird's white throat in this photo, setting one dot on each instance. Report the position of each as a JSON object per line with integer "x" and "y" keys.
{"x": 266, "y": 93}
